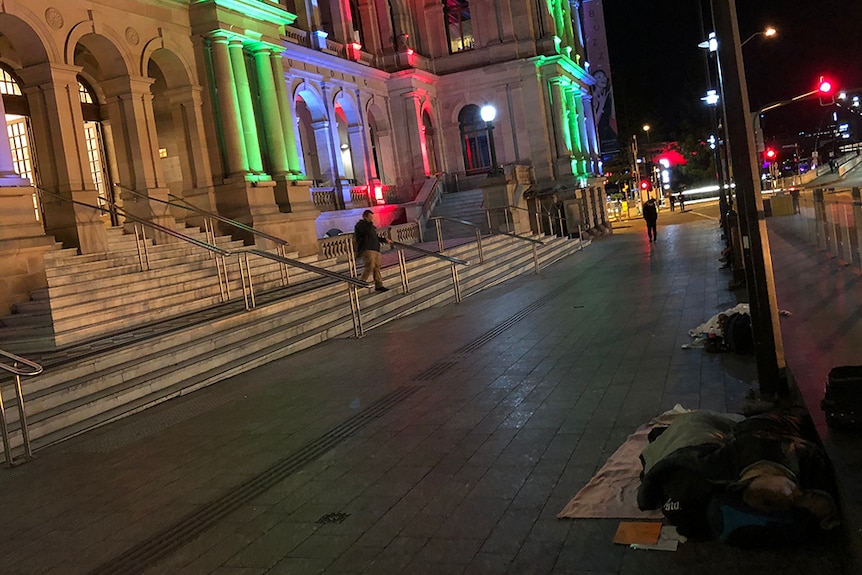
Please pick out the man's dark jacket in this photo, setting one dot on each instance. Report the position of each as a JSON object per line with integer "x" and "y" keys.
{"x": 366, "y": 236}
{"x": 650, "y": 212}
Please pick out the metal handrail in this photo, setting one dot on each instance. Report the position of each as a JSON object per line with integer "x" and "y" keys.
{"x": 304, "y": 266}
{"x": 280, "y": 243}
{"x": 454, "y": 262}
{"x": 186, "y": 205}
{"x": 478, "y": 229}
{"x": 165, "y": 230}
{"x": 488, "y": 215}
{"x": 433, "y": 254}
{"x": 34, "y": 369}
{"x": 248, "y": 292}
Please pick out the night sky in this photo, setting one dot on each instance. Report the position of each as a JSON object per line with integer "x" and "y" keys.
{"x": 659, "y": 73}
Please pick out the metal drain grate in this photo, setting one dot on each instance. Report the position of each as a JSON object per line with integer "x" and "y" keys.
{"x": 435, "y": 371}
{"x": 333, "y": 518}
{"x": 149, "y": 552}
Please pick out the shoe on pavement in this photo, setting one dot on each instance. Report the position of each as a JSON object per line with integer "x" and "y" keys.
{"x": 381, "y": 288}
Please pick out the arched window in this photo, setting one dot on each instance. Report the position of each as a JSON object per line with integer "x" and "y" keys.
{"x": 17, "y": 125}
{"x": 18, "y": 131}
{"x": 474, "y": 140}
{"x": 459, "y": 27}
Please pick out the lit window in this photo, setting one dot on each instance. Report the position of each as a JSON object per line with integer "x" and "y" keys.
{"x": 8, "y": 84}
{"x": 84, "y": 94}
{"x": 459, "y": 27}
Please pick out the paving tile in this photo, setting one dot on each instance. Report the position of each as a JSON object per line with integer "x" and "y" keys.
{"x": 466, "y": 476}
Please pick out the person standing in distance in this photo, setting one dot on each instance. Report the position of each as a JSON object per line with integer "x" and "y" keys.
{"x": 368, "y": 248}
{"x": 650, "y": 215}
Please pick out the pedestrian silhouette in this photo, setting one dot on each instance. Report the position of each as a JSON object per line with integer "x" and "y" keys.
{"x": 650, "y": 215}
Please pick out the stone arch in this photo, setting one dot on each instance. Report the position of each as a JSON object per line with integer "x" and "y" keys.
{"x": 350, "y": 131}
{"x": 175, "y": 112}
{"x": 25, "y": 41}
{"x": 313, "y": 99}
{"x": 382, "y": 151}
{"x": 30, "y": 38}
{"x": 347, "y": 103}
{"x": 312, "y": 129}
{"x": 100, "y": 57}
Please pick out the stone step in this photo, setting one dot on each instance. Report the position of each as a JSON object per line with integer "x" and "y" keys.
{"x": 34, "y": 306}
{"x": 59, "y": 258}
{"x": 80, "y": 394}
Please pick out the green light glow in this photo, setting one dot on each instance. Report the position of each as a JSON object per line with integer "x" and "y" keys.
{"x": 258, "y": 178}
{"x": 256, "y": 9}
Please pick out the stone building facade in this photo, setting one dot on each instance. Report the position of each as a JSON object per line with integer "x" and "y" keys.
{"x": 244, "y": 107}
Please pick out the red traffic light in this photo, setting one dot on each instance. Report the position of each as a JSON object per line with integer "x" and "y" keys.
{"x": 826, "y": 91}
{"x": 644, "y": 185}
{"x": 770, "y": 154}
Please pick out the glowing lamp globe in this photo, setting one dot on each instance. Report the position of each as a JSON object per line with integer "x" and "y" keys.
{"x": 488, "y": 113}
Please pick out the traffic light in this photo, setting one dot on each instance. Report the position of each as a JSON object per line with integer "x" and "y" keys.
{"x": 645, "y": 185}
{"x": 826, "y": 91}
{"x": 769, "y": 154}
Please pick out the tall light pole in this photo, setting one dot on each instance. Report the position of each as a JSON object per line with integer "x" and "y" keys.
{"x": 646, "y": 128}
{"x": 758, "y": 261}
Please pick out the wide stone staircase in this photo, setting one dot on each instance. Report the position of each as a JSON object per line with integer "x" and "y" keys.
{"x": 465, "y": 205}
{"x": 123, "y": 339}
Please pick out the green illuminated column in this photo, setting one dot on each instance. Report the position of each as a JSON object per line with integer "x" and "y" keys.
{"x": 572, "y": 125}
{"x": 560, "y": 126}
{"x": 228, "y": 106}
{"x": 556, "y": 8}
{"x": 570, "y": 33}
{"x": 272, "y": 126}
{"x": 246, "y": 106}
{"x": 586, "y": 147}
{"x": 573, "y": 118}
{"x": 286, "y": 111}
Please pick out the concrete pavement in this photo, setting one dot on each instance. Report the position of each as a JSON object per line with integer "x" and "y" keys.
{"x": 444, "y": 442}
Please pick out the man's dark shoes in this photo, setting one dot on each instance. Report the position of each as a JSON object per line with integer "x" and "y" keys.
{"x": 381, "y": 288}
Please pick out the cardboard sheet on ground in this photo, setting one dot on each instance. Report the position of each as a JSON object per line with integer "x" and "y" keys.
{"x": 612, "y": 492}
{"x": 638, "y": 533}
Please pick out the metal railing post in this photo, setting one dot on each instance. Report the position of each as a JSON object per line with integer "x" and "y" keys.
{"x": 245, "y": 276}
{"x": 479, "y": 246}
{"x": 846, "y": 249}
{"x": 456, "y": 284}
{"x": 4, "y": 427}
{"x": 536, "y": 258}
{"x": 439, "y": 234}
{"x": 34, "y": 369}
{"x": 355, "y": 312}
{"x": 22, "y": 417}
{"x": 402, "y": 266}
{"x": 141, "y": 245}
{"x": 285, "y": 271}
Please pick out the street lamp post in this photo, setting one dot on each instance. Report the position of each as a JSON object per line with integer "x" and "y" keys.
{"x": 488, "y": 114}
{"x": 758, "y": 265}
{"x": 768, "y": 32}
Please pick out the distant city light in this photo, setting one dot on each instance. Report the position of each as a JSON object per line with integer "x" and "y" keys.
{"x": 711, "y": 97}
